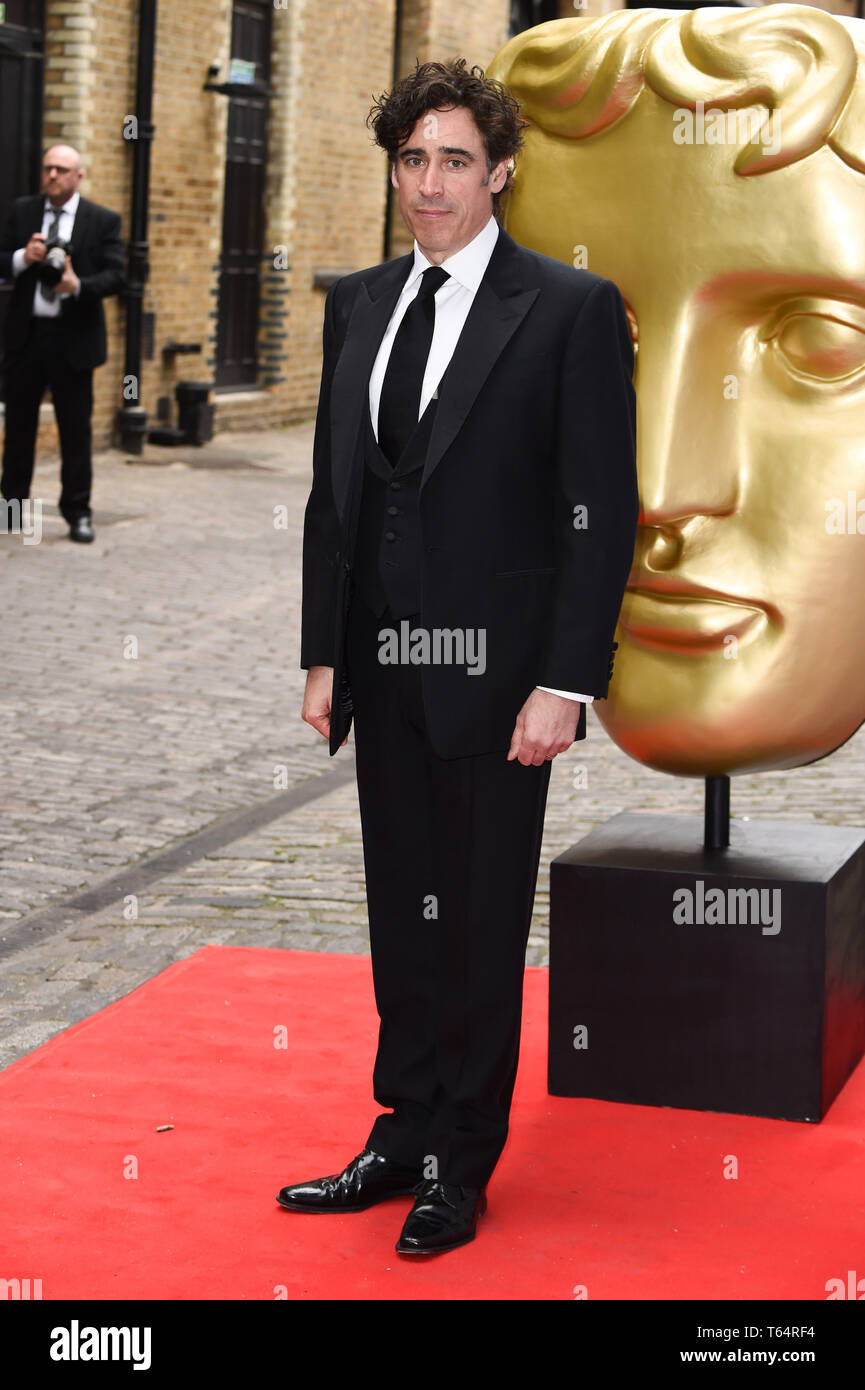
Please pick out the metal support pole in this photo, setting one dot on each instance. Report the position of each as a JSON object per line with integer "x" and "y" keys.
{"x": 131, "y": 417}
{"x": 716, "y": 825}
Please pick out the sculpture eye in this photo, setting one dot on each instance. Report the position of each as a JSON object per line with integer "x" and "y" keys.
{"x": 819, "y": 338}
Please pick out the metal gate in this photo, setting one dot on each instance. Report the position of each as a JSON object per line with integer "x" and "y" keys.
{"x": 243, "y": 212}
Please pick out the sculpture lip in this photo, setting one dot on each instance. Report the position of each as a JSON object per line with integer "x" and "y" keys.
{"x": 670, "y": 613}
{"x": 650, "y": 582}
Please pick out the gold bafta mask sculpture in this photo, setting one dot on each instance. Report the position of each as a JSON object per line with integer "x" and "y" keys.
{"x": 712, "y": 164}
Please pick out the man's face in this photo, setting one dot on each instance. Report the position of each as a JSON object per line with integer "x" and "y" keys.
{"x": 60, "y": 174}
{"x": 443, "y": 184}
{"x": 742, "y": 633}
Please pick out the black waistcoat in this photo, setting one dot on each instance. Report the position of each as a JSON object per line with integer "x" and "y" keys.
{"x": 388, "y": 555}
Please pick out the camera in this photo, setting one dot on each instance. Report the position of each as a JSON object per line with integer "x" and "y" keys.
{"x": 50, "y": 270}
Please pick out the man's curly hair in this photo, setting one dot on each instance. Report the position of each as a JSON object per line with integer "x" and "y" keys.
{"x": 435, "y": 86}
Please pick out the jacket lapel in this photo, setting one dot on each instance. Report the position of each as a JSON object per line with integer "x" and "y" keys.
{"x": 79, "y": 226}
{"x": 34, "y": 214}
{"x": 498, "y": 309}
{"x": 348, "y": 392}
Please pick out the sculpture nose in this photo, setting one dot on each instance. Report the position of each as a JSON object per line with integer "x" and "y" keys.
{"x": 690, "y": 441}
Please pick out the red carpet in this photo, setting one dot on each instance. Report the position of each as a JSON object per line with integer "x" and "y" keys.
{"x": 629, "y": 1201}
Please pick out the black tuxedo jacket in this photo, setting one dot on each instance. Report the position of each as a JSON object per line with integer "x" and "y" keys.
{"x": 99, "y": 261}
{"x": 535, "y": 420}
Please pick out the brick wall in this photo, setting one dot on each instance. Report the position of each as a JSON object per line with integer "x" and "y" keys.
{"x": 326, "y": 194}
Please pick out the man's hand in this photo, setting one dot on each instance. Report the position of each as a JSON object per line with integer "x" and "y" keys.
{"x": 546, "y": 725}
{"x": 316, "y": 700}
{"x": 35, "y": 249}
{"x": 68, "y": 282}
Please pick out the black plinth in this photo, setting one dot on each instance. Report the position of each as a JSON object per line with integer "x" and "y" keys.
{"x": 740, "y": 1014}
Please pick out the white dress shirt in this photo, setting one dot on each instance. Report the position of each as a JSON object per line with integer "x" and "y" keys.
{"x": 50, "y": 308}
{"x": 453, "y": 300}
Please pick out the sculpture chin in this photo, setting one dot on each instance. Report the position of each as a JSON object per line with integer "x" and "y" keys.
{"x": 701, "y": 747}
{"x": 707, "y": 684}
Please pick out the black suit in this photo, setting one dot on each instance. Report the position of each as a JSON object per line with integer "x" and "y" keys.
{"x": 535, "y": 419}
{"x": 57, "y": 354}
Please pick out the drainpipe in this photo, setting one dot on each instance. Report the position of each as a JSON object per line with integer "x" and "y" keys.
{"x": 388, "y": 198}
{"x": 131, "y": 419}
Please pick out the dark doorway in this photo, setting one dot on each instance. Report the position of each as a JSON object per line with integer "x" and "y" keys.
{"x": 22, "y": 44}
{"x": 525, "y": 14}
{"x": 243, "y": 214}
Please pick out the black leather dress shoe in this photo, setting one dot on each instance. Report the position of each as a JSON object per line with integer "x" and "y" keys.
{"x": 81, "y": 529}
{"x": 368, "y": 1179}
{"x": 443, "y": 1217}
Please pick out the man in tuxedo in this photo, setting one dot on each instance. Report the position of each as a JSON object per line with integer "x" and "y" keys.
{"x": 467, "y": 542}
{"x": 55, "y": 333}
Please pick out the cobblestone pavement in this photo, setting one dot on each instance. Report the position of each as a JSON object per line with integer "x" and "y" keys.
{"x": 151, "y": 690}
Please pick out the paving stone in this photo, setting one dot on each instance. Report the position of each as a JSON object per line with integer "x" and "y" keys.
{"x": 77, "y": 970}
{"x": 31, "y": 1035}
{"x": 48, "y": 992}
{"x": 24, "y": 969}
{"x": 115, "y": 982}
{"x": 14, "y": 1015}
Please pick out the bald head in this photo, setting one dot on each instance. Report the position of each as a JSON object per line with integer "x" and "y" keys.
{"x": 61, "y": 173}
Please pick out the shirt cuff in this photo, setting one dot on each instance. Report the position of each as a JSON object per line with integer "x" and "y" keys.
{"x": 18, "y": 263}
{"x": 568, "y": 694}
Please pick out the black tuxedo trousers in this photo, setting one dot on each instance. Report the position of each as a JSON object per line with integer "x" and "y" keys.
{"x": 451, "y": 849}
{"x": 40, "y": 366}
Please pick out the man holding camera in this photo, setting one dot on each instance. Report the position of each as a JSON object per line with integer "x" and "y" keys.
{"x": 65, "y": 255}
